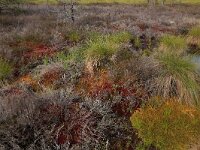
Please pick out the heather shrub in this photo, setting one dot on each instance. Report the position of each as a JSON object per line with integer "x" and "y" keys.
{"x": 167, "y": 125}
{"x": 34, "y": 37}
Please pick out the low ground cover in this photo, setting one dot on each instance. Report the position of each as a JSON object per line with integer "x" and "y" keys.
{"x": 125, "y": 81}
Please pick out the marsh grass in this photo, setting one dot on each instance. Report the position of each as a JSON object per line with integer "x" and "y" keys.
{"x": 73, "y": 36}
{"x": 5, "y": 69}
{"x": 71, "y": 56}
{"x": 173, "y": 44}
{"x": 101, "y": 48}
{"x": 194, "y": 36}
{"x": 195, "y": 32}
{"x": 105, "y": 46}
{"x": 178, "y": 79}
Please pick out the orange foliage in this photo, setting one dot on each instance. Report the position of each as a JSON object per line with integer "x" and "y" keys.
{"x": 105, "y": 86}
{"x": 93, "y": 85}
{"x": 31, "y": 50}
{"x": 28, "y": 80}
{"x": 50, "y": 77}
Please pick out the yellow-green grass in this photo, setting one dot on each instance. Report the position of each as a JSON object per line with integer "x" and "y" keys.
{"x": 136, "y": 1}
{"x": 5, "y": 69}
{"x": 179, "y": 76}
{"x": 173, "y": 44}
{"x": 42, "y": 1}
{"x": 194, "y": 36}
{"x": 167, "y": 125}
{"x": 113, "y": 1}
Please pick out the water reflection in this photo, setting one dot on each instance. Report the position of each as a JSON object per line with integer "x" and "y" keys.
{"x": 196, "y": 60}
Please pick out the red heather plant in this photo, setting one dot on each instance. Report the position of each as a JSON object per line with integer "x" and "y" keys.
{"x": 105, "y": 87}
{"x": 74, "y": 123}
{"x": 103, "y": 83}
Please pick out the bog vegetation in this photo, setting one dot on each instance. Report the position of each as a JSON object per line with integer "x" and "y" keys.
{"x": 99, "y": 76}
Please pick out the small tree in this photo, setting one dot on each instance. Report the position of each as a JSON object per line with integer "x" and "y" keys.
{"x": 72, "y": 6}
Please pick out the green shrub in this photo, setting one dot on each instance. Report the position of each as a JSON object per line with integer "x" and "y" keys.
{"x": 173, "y": 44}
{"x": 167, "y": 125}
{"x": 178, "y": 78}
{"x": 5, "y": 69}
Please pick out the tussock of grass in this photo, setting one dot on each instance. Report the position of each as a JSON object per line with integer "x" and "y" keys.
{"x": 101, "y": 48}
{"x": 173, "y": 44}
{"x": 195, "y": 32}
{"x": 120, "y": 37}
{"x": 5, "y": 69}
{"x": 73, "y": 36}
{"x": 194, "y": 36}
{"x": 105, "y": 46}
{"x": 74, "y": 55}
{"x": 179, "y": 78}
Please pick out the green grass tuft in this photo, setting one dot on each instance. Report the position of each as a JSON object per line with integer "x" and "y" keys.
{"x": 105, "y": 46}
{"x": 5, "y": 69}
{"x": 173, "y": 44}
{"x": 179, "y": 78}
{"x": 73, "y": 56}
{"x": 195, "y": 32}
{"x": 194, "y": 36}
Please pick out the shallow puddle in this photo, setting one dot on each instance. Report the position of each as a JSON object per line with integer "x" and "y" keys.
{"x": 196, "y": 60}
